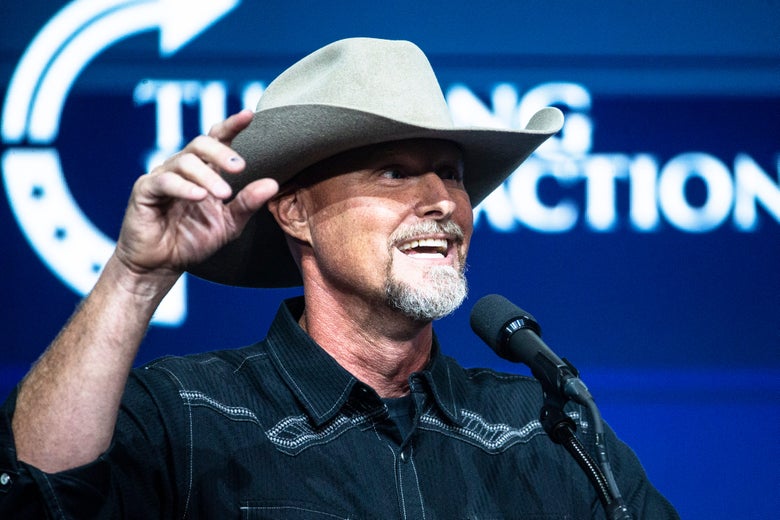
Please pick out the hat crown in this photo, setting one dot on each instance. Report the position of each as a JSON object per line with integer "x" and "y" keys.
{"x": 391, "y": 79}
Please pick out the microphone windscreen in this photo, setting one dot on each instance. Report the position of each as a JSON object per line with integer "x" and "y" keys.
{"x": 489, "y": 318}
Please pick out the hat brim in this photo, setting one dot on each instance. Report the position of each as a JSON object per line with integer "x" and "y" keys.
{"x": 283, "y": 141}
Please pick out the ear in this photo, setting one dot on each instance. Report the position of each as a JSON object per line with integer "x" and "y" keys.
{"x": 291, "y": 215}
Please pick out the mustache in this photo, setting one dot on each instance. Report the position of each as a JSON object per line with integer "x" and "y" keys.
{"x": 425, "y": 228}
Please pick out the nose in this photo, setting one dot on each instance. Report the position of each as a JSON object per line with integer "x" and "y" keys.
{"x": 434, "y": 198}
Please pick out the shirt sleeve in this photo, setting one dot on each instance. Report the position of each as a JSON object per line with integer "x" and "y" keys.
{"x": 130, "y": 480}
{"x": 27, "y": 492}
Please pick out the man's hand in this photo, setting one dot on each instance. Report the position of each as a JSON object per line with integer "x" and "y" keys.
{"x": 177, "y": 214}
{"x": 67, "y": 405}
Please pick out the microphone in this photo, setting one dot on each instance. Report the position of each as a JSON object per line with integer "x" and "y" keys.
{"x": 516, "y": 336}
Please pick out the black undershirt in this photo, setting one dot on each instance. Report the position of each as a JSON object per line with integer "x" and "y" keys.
{"x": 401, "y": 411}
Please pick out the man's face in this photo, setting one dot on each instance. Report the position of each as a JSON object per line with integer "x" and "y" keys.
{"x": 391, "y": 223}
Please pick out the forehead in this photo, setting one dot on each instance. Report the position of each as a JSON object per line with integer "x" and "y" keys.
{"x": 425, "y": 149}
{"x": 429, "y": 152}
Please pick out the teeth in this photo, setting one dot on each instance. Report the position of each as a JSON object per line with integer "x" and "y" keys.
{"x": 436, "y": 243}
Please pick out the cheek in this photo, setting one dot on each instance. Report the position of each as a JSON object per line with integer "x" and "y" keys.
{"x": 464, "y": 217}
{"x": 352, "y": 236}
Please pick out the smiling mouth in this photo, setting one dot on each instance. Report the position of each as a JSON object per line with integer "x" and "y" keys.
{"x": 426, "y": 248}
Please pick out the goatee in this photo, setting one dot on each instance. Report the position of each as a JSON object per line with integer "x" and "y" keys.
{"x": 446, "y": 288}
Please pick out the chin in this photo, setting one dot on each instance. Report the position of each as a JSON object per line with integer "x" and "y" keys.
{"x": 434, "y": 295}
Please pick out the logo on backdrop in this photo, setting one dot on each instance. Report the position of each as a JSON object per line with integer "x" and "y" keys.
{"x": 75, "y": 249}
{"x": 656, "y": 192}
{"x": 64, "y": 238}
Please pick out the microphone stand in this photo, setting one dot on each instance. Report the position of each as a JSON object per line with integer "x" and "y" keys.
{"x": 560, "y": 428}
{"x": 496, "y": 320}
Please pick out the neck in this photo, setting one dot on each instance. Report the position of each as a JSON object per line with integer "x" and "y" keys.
{"x": 376, "y": 344}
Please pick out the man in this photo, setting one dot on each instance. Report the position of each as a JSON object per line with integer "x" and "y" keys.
{"x": 347, "y": 409}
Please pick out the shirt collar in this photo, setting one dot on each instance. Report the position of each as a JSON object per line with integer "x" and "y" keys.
{"x": 446, "y": 381}
{"x": 323, "y": 386}
{"x": 317, "y": 380}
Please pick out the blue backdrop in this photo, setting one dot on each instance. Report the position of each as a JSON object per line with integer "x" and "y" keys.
{"x": 645, "y": 238}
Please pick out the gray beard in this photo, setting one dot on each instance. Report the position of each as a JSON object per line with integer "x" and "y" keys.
{"x": 447, "y": 287}
{"x": 440, "y": 297}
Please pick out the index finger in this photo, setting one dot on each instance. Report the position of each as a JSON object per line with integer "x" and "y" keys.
{"x": 228, "y": 129}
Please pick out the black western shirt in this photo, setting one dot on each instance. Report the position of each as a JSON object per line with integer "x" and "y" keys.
{"x": 280, "y": 430}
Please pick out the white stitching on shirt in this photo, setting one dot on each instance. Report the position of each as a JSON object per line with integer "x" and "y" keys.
{"x": 292, "y": 379}
{"x": 248, "y": 358}
{"x": 399, "y": 488}
{"x": 195, "y": 398}
{"x": 492, "y": 437}
{"x": 416, "y": 480}
{"x": 190, "y": 446}
{"x": 294, "y": 434}
{"x": 294, "y": 508}
{"x": 300, "y": 391}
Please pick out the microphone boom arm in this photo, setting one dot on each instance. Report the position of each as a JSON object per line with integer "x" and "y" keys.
{"x": 516, "y": 336}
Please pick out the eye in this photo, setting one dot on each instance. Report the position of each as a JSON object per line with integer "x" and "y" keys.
{"x": 393, "y": 173}
{"x": 450, "y": 173}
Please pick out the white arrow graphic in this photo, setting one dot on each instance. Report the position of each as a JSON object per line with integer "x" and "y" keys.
{"x": 107, "y": 29}
{"x": 65, "y": 239}
{"x": 36, "y": 59}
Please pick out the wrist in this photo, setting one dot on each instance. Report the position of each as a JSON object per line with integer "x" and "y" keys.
{"x": 144, "y": 290}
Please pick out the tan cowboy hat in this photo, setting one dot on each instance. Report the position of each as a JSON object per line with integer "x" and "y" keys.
{"x": 353, "y": 93}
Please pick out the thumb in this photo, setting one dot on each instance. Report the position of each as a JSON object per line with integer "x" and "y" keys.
{"x": 251, "y": 198}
